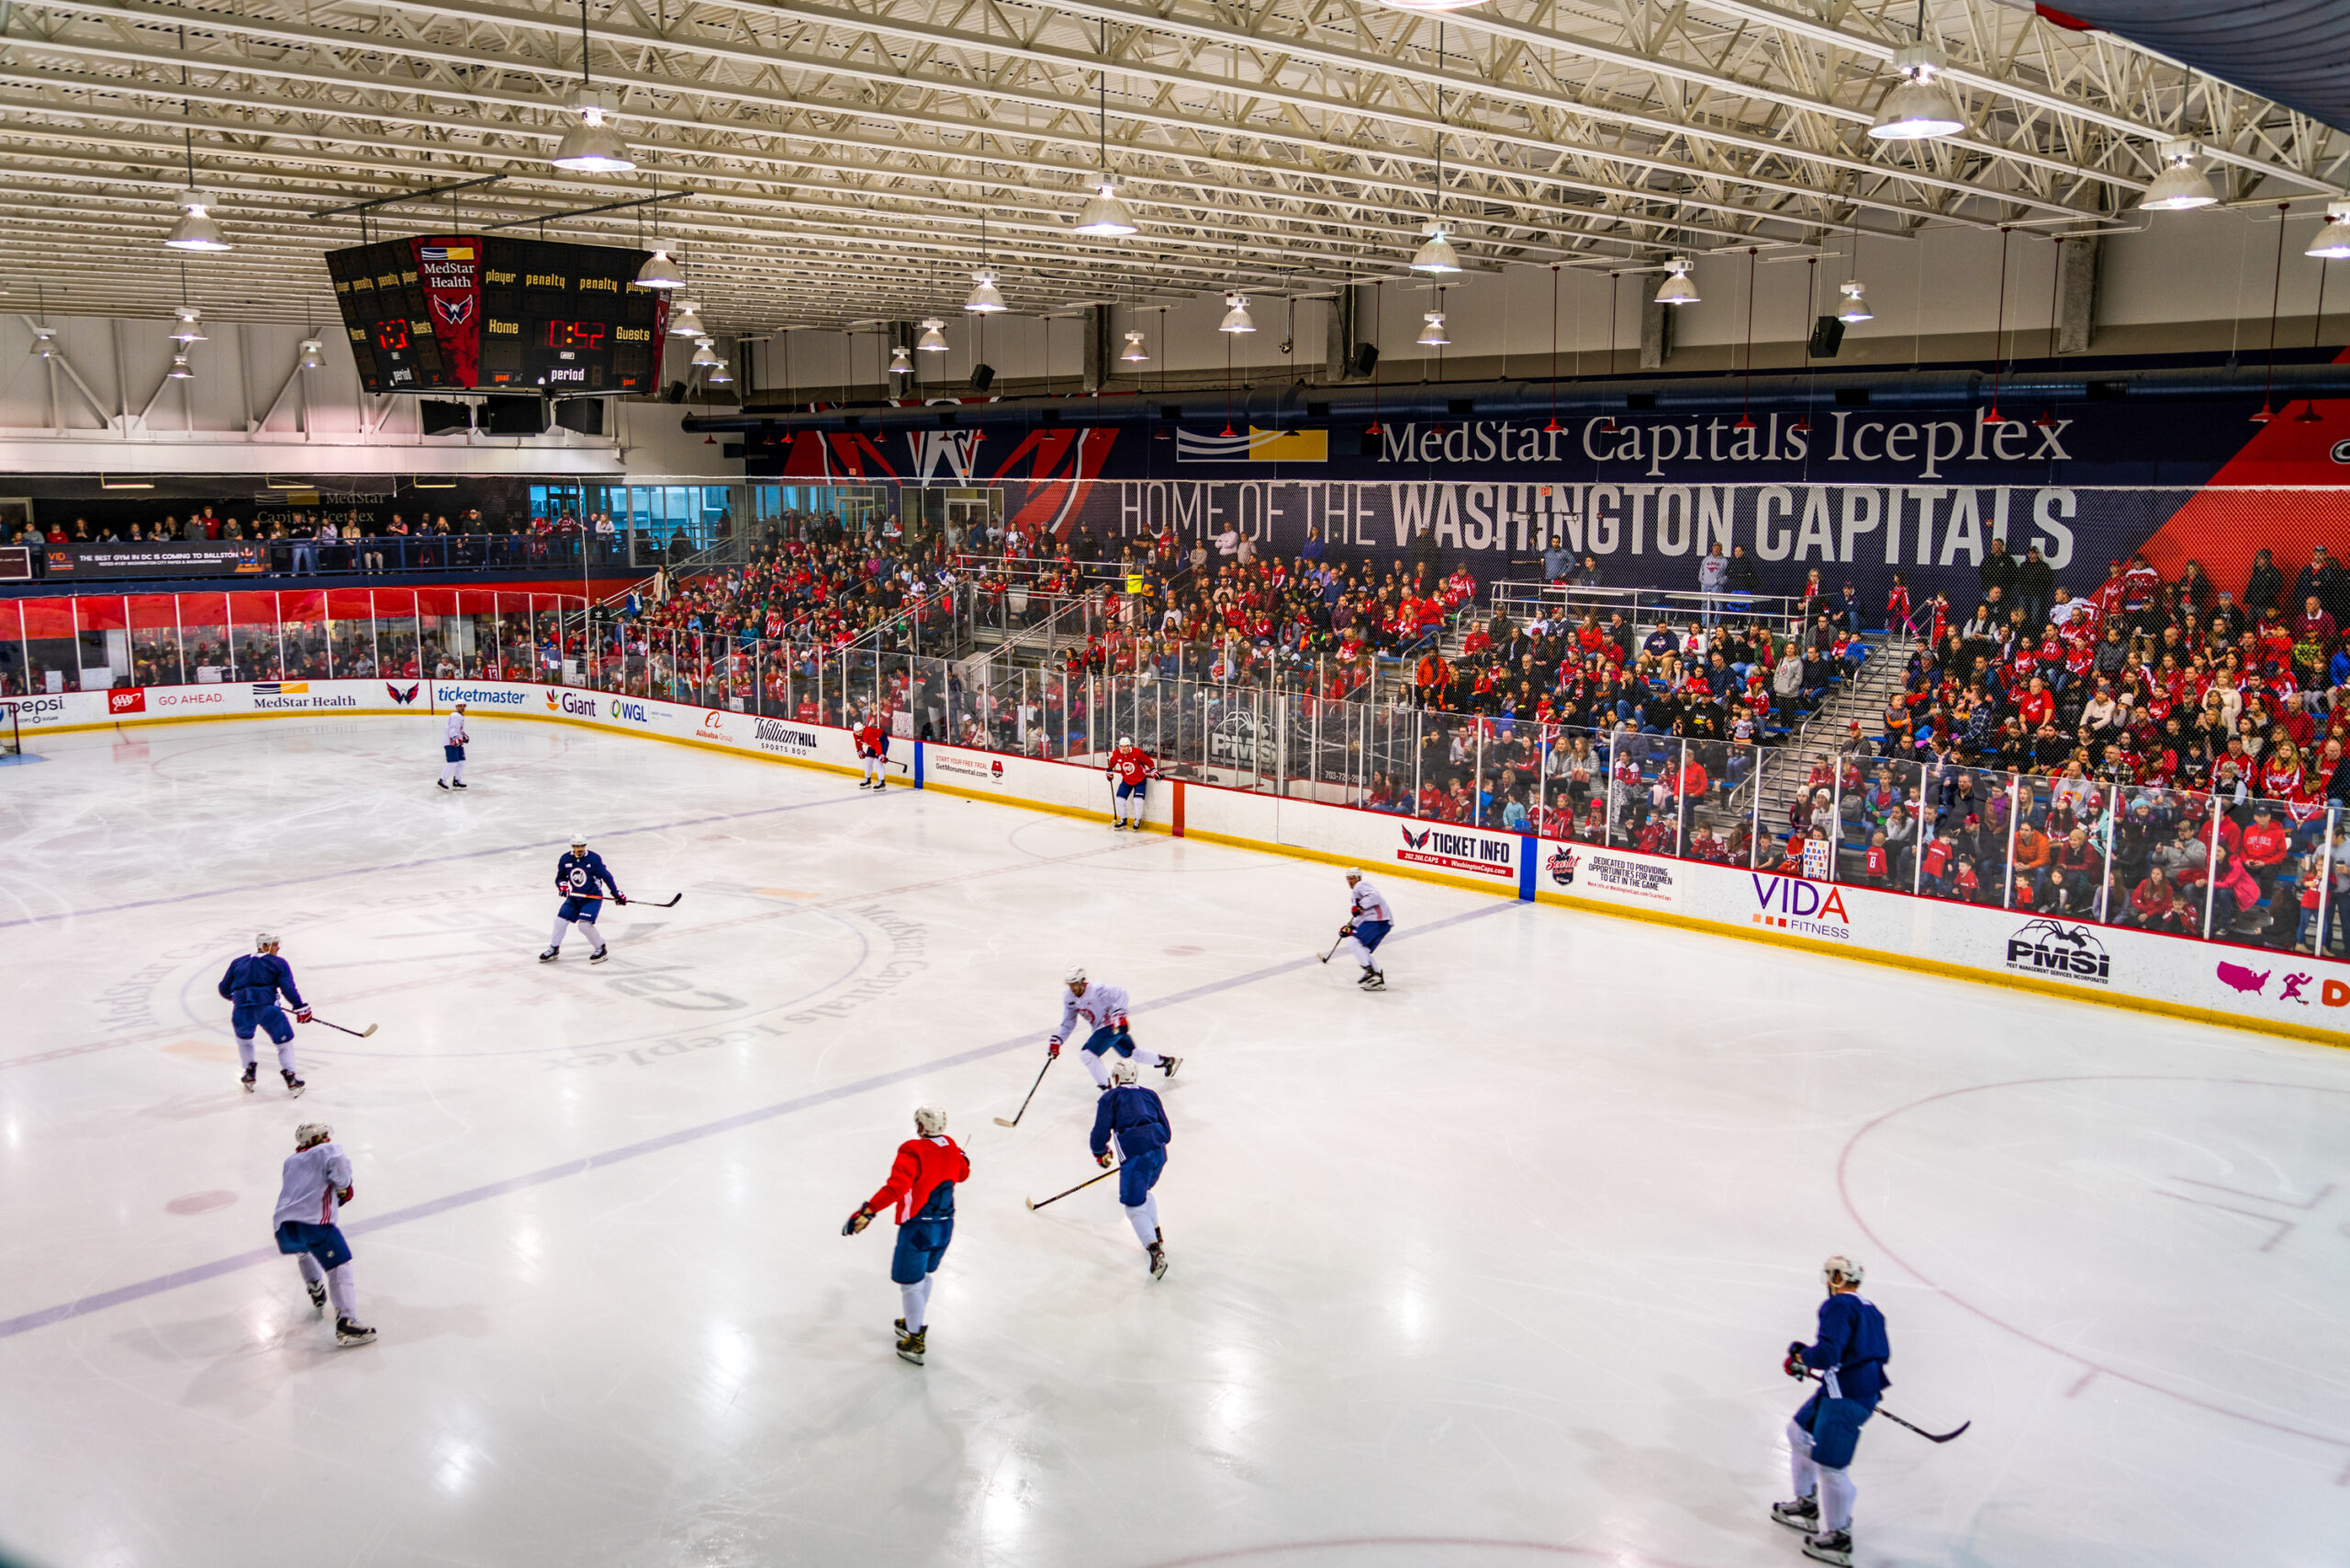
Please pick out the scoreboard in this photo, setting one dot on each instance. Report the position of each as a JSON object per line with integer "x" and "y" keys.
{"x": 486, "y": 313}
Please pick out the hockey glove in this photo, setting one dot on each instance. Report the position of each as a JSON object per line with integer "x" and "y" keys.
{"x": 301, "y": 1016}
{"x": 1793, "y": 1366}
{"x": 619, "y": 897}
{"x": 348, "y": 1193}
{"x": 1103, "y": 1160}
{"x": 1053, "y": 1048}
{"x": 857, "y": 1221}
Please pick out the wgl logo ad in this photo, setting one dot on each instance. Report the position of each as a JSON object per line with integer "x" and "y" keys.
{"x": 2052, "y": 948}
{"x": 632, "y": 712}
{"x": 1458, "y": 852}
{"x": 1807, "y": 909}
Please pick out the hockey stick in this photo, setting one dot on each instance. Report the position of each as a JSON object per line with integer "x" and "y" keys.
{"x": 648, "y": 903}
{"x": 1342, "y": 942}
{"x": 1056, "y": 1197}
{"x": 1032, "y": 1094}
{"x": 357, "y": 1034}
{"x": 1912, "y": 1426}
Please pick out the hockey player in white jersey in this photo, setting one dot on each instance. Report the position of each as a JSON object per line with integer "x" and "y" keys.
{"x": 1103, "y": 1010}
{"x": 1369, "y": 919}
{"x": 311, "y": 1191}
{"x": 452, "y": 749}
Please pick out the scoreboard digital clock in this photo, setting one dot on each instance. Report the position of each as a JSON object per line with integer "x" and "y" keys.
{"x": 483, "y": 313}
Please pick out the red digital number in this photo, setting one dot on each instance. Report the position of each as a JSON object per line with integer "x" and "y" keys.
{"x": 575, "y": 334}
{"x": 391, "y": 336}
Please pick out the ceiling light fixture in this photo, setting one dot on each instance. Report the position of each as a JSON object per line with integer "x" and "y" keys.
{"x": 1437, "y": 256}
{"x": 718, "y": 375}
{"x": 191, "y": 326}
{"x": 901, "y": 362}
{"x": 2181, "y": 187}
{"x": 934, "y": 337}
{"x": 310, "y": 356}
{"x": 659, "y": 271}
{"x": 1918, "y": 108}
{"x": 1105, "y": 215}
{"x": 684, "y": 322}
{"x": 592, "y": 147}
{"x": 44, "y": 342}
{"x": 180, "y": 370}
{"x": 985, "y": 298}
{"x": 1235, "y": 315}
{"x": 2332, "y": 241}
{"x": 1432, "y": 335}
{"x": 1677, "y": 289}
{"x": 1856, "y": 307}
{"x": 195, "y": 230}
{"x": 705, "y": 353}
{"x": 1135, "y": 353}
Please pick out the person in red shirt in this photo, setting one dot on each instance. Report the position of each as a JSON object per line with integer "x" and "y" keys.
{"x": 920, "y": 1189}
{"x": 2037, "y": 704}
{"x": 1131, "y": 769}
{"x": 873, "y": 749}
{"x": 2266, "y": 844}
{"x": 807, "y": 712}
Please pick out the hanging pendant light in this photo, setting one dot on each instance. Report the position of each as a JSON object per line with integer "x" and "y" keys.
{"x": 659, "y": 271}
{"x": 2332, "y": 241}
{"x": 985, "y": 298}
{"x": 2180, "y": 187}
{"x": 180, "y": 370}
{"x": 1432, "y": 335}
{"x": 191, "y": 326}
{"x": 311, "y": 355}
{"x": 44, "y": 342}
{"x": 1676, "y": 288}
{"x": 901, "y": 362}
{"x": 1854, "y": 307}
{"x": 684, "y": 322}
{"x": 195, "y": 230}
{"x": 705, "y": 353}
{"x": 1918, "y": 107}
{"x": 592, "y": 147}
{"x": 934, "y": 337}
{"x": 1235, "y": 315}
{"x": 1105, "y": 214}
{"x": 718, "y": 375}
{"x": 1135, "y": 353}
{"x": 1437, "y": 254}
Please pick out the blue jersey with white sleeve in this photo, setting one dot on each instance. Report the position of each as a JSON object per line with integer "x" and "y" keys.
{"x": 584, "y": 876}
{"x": 1852, "y": 1349}
{"x": 255, "y": 979}
{"x": 1136, "y": 1116}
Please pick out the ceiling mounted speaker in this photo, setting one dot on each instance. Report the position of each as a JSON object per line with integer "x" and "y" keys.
{"x": 1827, "y": 337}
{"x": 583, "y": 415}
{"x": 982, "y": 377}
{"x": 1363, "y": 359}
{"x": 514, "y": 416}
{"x": 674, "y": 393}
{"x": 438, "y": 415}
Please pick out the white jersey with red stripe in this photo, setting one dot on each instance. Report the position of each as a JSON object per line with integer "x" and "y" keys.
{"x": 1131, "y": 765}
{"x": 1370, "y": 904}
{"x": 311, "y": 1188}
{"x": 1102, "y": 1007}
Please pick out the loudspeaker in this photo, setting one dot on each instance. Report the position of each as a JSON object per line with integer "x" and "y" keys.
{"x": 441, "y": 416}
{"x": 1827, "y": 337}
{"x": 514, "y": 416}
{"x": 584, "y": 415}
{"x": 674, "y": 393}
{"x": 982, "y": 377}
{"x": 1362, "y": 361}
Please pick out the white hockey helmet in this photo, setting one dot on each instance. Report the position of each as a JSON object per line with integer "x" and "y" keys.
{"x": 1122, "y": 1072}
{"x": 458, "y": 707}
{"x": 1840, "y": 1270}
{"x": 309, "y": 1135}
{"x": 264, "y": 940}
{"x": 1076, "y": 975}
{"x": 929, "y": 1120}
{"x": 578, "y": 840}
{"x": 1126, "y": 740}
{"x": 1354, "y": 873}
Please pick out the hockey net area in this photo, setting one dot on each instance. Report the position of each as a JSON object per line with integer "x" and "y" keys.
{"x": 9, "y": 744}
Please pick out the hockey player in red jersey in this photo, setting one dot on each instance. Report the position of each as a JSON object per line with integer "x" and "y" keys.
{"x": 921, "y": 1189}
{"x": 873, "y": 749}
{"x": 1131, "y": 769}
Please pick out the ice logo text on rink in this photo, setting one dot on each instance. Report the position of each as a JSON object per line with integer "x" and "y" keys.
{"x": 1807, "y": 909}
{"x": 2052, "y": 948}
{"x": 1458, "y": 852}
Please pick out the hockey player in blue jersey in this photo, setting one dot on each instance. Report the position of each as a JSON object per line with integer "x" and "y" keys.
{"x": 1132, "y": 1116}
{"x": 581, "y": 877}
{"x": 1850, "y": 1357}
{"x": 253, "y": 984}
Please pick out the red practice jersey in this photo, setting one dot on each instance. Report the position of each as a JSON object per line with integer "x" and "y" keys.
{"x": 922, "y": 1164}
{"x": 872, "y": 740}
{"x": 1133, "y": 765}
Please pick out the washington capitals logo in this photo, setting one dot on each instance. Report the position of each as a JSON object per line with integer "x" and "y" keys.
{"x": 1418, "y": 842}
{"x": 402, "y": 697}
{"x": 454, "y": 311}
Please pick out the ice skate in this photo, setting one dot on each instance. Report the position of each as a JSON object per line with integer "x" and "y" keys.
{"x": 442, "y": 782}
{"x": 911, "y": 1348}
{"x": 1830, "y": 1546}
{"x": 550, "y": 954}
{"x": 1802, "y": 1513}
{"x": 1159, "y": 1261}
{"x": 600, "y": 953}
{"x": 351, "y": 1331}
{"x": 252, "y": 1071}
{"x": 457, "y": 784}
{"x": 294, "y": 1086}
{"x": 1168, "y": 1064}
{"x": 897, "y": 1328}
{"x": 318, "y": 1289}
{"x": 1373, "y": 979}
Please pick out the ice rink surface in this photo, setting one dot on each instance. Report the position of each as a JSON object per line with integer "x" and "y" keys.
{"x": 1495, "y": 1268}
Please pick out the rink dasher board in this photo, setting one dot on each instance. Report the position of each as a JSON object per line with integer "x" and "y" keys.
{"x": 2276, "y": 993}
